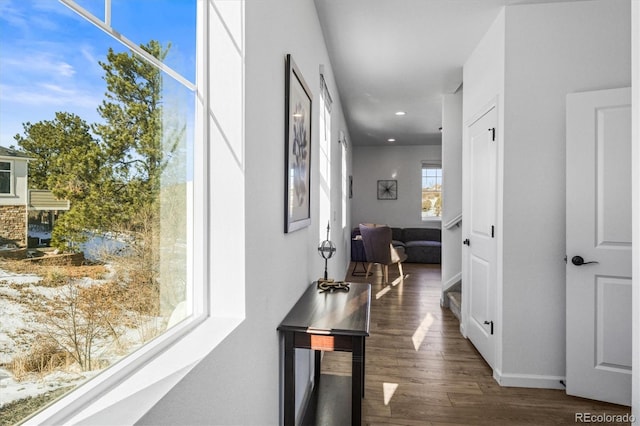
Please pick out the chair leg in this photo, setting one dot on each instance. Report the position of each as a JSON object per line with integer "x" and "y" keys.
{"x": 369, "y": 265}
{"x": 386, "y": 273}
{"x": 400, "y": 270}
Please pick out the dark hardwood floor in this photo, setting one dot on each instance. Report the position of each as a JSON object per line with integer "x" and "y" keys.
{"x": 421, "y": 371}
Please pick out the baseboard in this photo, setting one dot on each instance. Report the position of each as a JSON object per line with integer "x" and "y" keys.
{"x": 528, "y": 380}
{"x": 444, "y": 300}
{"x": 306, "y": 399}
{"x": 446, "y": 285}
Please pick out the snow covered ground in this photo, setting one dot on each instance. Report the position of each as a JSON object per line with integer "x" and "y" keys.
{"x": 24, "y": 306}
{"x": 16, "y": 321}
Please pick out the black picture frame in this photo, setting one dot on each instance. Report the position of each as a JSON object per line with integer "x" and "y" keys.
{"x": 298, "y": 102}
{"x": 387, "y": 190}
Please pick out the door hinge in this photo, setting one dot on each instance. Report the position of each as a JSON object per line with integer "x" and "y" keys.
{"x": 466, "y": 242}
{"x": 493, "y": 133}
{"x": 491, "y": 324}
{"x": 493, "y": 231}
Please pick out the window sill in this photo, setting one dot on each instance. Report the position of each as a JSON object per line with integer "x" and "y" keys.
{"x": 437, "y": 220}
{"x": 137, "y": 383}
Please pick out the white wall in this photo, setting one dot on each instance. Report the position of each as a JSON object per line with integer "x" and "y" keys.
{"x": 240, "y": 381}
{"x": 551, "y": 50}
{"x": 402, "y": 163}
{"x": 451, "y": 187}
{"x": 548, "y": 50}
{"x": 635, "y": 37}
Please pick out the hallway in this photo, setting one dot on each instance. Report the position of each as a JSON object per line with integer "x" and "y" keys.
{"x": 421, "y": 371}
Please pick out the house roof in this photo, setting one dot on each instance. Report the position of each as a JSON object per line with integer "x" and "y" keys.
{"x": 12, "y": 153}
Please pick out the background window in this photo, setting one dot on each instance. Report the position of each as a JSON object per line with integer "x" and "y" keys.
{"x": 5, "y": 177}
{"x": 431, "y": 191}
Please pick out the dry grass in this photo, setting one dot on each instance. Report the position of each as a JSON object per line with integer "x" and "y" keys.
{"x": 17, "y": 411}
{"x": 54, "y": 276}
{"x": 44, "y": 356}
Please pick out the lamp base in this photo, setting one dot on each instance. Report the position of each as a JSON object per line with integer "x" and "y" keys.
{"x": 323, "y": 281}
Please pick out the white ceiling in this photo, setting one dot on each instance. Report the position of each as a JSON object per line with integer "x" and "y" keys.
{"x": 401, "y": 55}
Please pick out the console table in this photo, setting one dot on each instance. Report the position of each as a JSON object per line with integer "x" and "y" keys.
{"x": 327, "y": 321}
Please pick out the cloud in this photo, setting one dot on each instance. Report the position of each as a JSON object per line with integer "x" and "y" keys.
{"x": 44, "y": 93}
{"x": 38, "y": 63}
{"x": 12, "y": 15}
{"x": 87, "y": 53}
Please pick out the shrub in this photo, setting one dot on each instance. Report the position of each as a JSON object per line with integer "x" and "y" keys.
{"x": 43, "y": 357}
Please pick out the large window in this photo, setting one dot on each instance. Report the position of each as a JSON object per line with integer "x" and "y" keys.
{"x": 5, "y": 177}
{"x": 431, "y": 191}
{"x": 109, "y": 125}
{"x": 324, "y": 158}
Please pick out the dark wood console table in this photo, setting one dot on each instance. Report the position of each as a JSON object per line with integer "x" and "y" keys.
{"x": 329, "y": 321}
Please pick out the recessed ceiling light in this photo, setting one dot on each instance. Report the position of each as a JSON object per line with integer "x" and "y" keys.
{"x": 391, "y": 140}
{"x": 401, "y": 113}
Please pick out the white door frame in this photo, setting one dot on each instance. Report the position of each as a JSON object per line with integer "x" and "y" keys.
{"x": 494, "y": 103}
{"x": 635, "y": 170}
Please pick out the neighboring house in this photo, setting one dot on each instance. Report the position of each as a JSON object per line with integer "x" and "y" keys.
{"x": 46, "y": 206}
{"x": 16, "y": 200}
{"x": 14, "y": 171}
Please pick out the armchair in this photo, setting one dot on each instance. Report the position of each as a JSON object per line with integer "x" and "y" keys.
{"x": 378, "y": 247}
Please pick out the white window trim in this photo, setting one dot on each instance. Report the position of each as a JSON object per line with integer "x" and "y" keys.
{"x": 140, "y": 380}
{"x": 437, "y": 221}
{"x": 12, "y": 177}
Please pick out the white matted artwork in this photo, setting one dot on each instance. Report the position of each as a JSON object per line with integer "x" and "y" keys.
{"x": 298, "y": 102}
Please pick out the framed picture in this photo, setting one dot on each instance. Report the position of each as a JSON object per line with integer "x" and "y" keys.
{"x": 297, "y": 151}
{"x": 387, "y": 190}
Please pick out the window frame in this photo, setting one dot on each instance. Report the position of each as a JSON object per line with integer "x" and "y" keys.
{"x": 11, "y": 173}
{"x": 137, "y": 382}
{"x": 426, "y": 165}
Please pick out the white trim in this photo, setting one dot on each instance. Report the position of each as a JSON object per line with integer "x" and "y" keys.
{"x": 453, "y": 222}
{"x": 306, "y": 399}
{"x": 12, "y": 178}
{"x": 136, "y": 383}
{"x": 528, "y": 380}
{"x": 635, "y": 161}
{"x": 106, "y": 27}
{"x": 151, "y": 366}
{"x": 452, "y": 281}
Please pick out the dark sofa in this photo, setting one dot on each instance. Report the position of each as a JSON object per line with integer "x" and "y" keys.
{"x": 422, "y": 245}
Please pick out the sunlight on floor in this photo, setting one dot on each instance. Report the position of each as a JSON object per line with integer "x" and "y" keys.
{"x": 388, "y": 389}
{"x": 383, "y": 292}
{"x": 399, "y": 280}
{"x": 421, "y": 331}
{"x": 394, "y": 283}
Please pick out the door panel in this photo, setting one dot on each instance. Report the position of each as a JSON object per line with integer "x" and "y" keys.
{"x": 613, "y": 346}
{"x": 598, "y": 213}
{"x": 614, "y": 172}
{"x": 479, "y": 273}
{"x": 480, "y": 269}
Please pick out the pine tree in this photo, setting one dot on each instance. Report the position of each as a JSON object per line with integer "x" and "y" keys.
{"x": 112, "y": 179}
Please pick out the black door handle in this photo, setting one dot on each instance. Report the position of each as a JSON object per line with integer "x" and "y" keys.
{"x": 579, "y": 261}
{"x": 466, "y": 242}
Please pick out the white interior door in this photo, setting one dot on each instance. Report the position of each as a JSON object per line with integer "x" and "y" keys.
{"x": 599, "y": 230}
{"x": 479, "y": 212}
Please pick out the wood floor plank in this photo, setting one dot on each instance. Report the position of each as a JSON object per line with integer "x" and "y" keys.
{"x": 421, "y": 371}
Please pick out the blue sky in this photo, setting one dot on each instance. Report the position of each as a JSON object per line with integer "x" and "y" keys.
{"x": 49, "y": 55}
